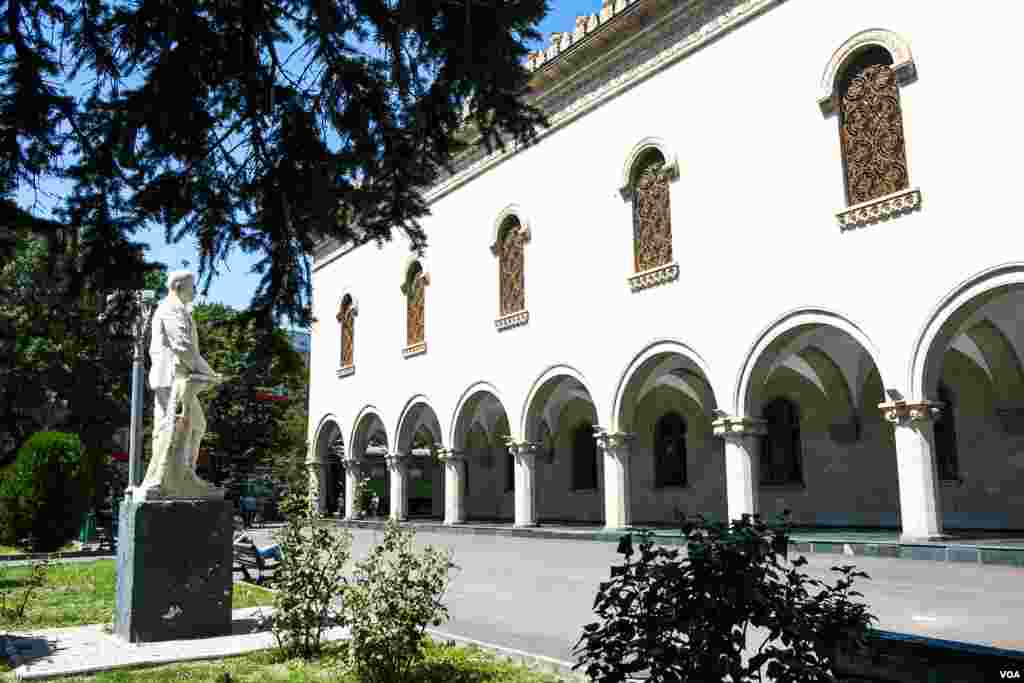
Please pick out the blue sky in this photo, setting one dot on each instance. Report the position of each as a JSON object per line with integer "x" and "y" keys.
{"x": 236, "y": 284}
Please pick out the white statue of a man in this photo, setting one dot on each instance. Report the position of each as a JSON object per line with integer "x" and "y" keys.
{"x": 178, "y": 373}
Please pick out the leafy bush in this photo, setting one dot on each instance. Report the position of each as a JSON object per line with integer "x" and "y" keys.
{"x": 364, "y": 496}
{"x": 395, "y": 595}
{"x": 48, "y": 491}
{"x": 667, "y": 618}
{"x": 309, "y": 580}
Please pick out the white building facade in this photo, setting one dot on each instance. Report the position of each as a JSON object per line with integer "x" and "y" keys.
{"x": 762, "y": 260}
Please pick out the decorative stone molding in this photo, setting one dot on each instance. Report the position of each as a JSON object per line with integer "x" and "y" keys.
{"x": 449, "y": 457}
{"x": 415, "y": 350}
{"x": 523, "y": 451}
{"x": 688, "y": 42}
{"x": 346, "y": 370}
{"x": 653, "y": 277}
{"x": 396, "y": 462}
{"x": 879, "y": 209}
{"x": 511, "y": 320}
{"x": 902, "y": 63}
{"x": 405, "y": 283}
{"x": 341, "y": 300}
{"x": 499, "y": 222}
{"x": 902, "y": 412}
{"x": 616, "y": 444}
{"x": 671, "y": 165}
{"x": 730, "y": 425}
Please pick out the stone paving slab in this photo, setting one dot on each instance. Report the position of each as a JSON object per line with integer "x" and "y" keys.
{"x": 52, "y": 653}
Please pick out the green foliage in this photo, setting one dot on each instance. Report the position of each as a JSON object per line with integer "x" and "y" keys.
{"x": 396, "y": 593}
{"x": 668, "y": 618}
{"x": 50, "y": 487}
{"x": 16, "y": 596}
{"x": 241, "y": 429}
{"x": 65, "y": 356}
{"x": 256, "y": 150}
{"x": 364, "y": 495}
{"x": 308, "y": 580}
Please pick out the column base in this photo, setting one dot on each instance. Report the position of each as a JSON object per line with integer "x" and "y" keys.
{"x": 912, "y": 540}
{"x": 530, "y": 525}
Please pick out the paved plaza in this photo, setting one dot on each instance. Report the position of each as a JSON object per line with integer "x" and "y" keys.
{"x": 529, "y": 597}
{"x": 535, "y": 594}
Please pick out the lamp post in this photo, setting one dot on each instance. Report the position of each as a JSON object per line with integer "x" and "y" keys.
{"x": 145, "y": 299}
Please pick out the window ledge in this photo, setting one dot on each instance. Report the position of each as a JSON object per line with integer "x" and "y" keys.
{"x": 585, "y": 491}
{"x": 415, "y": 350}
{"x": 879, "y": 209}
{"x": 652, "y": 277}
{"x": 669, "y": 487}
{"x": 346, "y": 370}
{"x": 510, "y": 320}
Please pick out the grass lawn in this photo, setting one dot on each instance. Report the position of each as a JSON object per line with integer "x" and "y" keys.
{"x": 79, "y": 593}
{"x": 442, "y": 665}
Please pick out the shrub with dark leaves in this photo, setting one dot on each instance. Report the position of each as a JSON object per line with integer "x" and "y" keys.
{"x": 666, "y": 617}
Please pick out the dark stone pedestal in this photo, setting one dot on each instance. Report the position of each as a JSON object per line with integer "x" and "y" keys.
{"x": 173, "y": 570}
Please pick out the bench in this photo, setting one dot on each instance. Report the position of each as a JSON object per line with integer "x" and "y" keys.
{"x": 246, "y": 558}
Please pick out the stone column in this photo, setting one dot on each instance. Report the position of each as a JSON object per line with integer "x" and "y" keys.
{"x": 398, "y": 464}
{"x": 352, "y": 472}
{"x": 454, "y": 496}
{"x": 742, "y": 436}
{"x": 525, "y": 454}
{"x": 317, "y": 471}
{"x": 616, "y": 448}
{"x": 920, "y": 513}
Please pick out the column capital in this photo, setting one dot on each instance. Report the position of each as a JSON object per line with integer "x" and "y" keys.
{"x": 524, "y": 452}
{"x": 907, "y": 412}
{"x": 736, "y": 426}
{"x": 450, "y": 455}
{"x": 612, "y": 440}
{"x": 396, "y": 461}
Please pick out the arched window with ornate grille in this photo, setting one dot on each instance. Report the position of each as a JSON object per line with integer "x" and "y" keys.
{"x": 670, "y": 451}
{"x": 781, "y": 457}
{"x": 871, "y": 128}
{"x": 510, "y": 237}
{"x": 862, "y": 87}
{"x": 414, "y": 289}
{"x": 346, "y": 319}
{"x": 646, "y": 177}
{"x": 510, "y": 268}
{"x": 652, "y": 216}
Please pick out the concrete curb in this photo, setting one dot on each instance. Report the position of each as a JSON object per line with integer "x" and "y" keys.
{"x": 936, "y": 551}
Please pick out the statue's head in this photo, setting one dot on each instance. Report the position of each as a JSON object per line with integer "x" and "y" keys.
{"x": 182, "y": 284}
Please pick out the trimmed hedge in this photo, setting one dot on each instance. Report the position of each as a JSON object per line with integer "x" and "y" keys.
{"x": 46, "y": 492}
